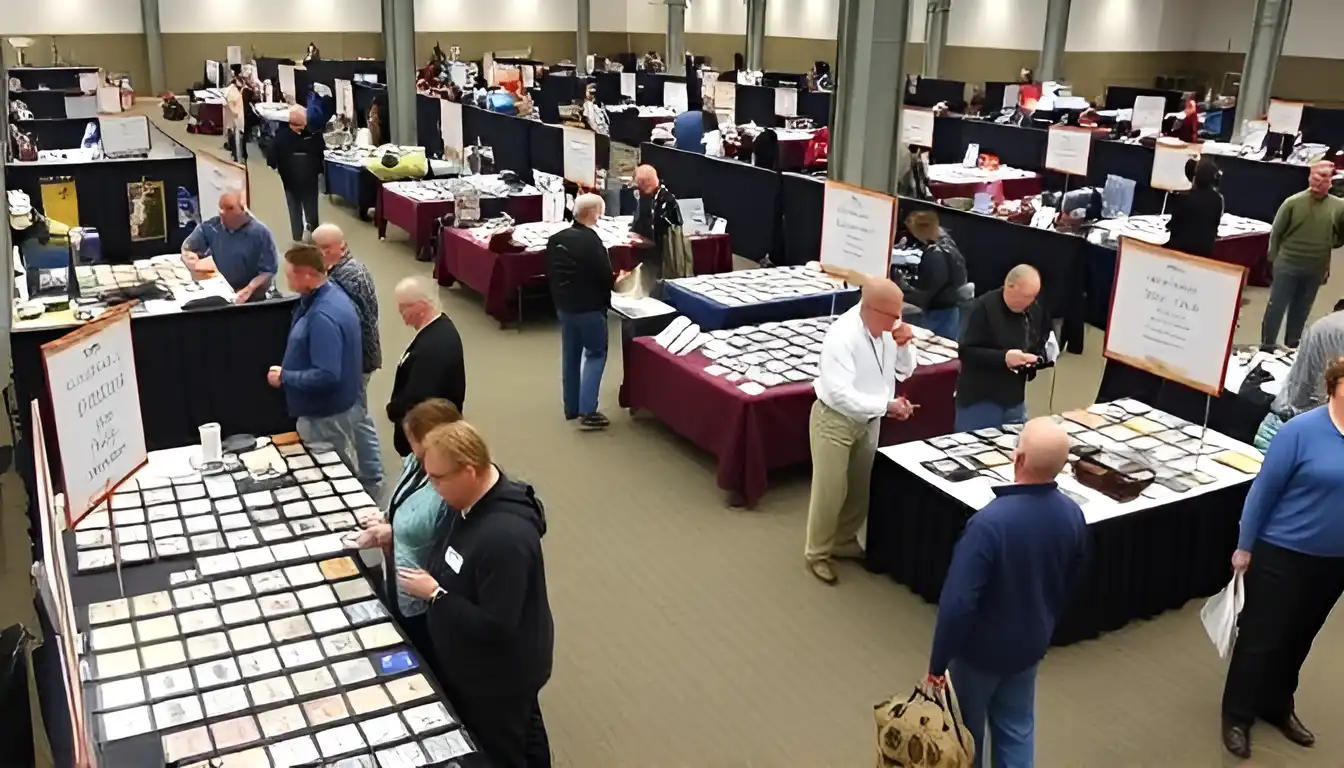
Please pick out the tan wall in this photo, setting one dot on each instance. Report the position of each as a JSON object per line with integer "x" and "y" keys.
{"x": 184, "y": 55}
{"x": 114, "y": 53}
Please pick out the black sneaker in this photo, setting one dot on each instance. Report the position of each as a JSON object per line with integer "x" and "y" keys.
{"x": 594, "y": 421}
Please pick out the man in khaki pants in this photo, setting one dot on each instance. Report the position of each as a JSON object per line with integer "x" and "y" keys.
{"x": 866, "y": 351}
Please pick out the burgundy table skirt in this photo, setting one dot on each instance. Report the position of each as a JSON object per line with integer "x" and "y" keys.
{"x": 751, "y": 435}
{"x": 1013, "y": 189}
{"x": 1249, "y": 251}
{"x": 498, "y": 276}
{"x": 417, "y": 217}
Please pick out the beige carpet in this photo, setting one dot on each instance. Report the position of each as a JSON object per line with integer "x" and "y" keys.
{"x": 689, "y": 634}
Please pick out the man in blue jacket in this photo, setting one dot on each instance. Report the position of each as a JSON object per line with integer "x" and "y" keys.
{"x": 1011, "y": 577}
{"x": 321, "y": 374}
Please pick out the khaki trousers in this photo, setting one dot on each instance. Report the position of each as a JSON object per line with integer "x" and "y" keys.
{"x": 842, "y": 462}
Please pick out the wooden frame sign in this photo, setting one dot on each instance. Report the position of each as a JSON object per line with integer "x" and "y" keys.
{"x": 1177, "y": 314}
{"x": 95, "y": 405}
{"x": 1068, "y": 150}
{"x": 858, "y": 227}
{"x": 1169, "y": 161}
{"x": 580, "y": 156}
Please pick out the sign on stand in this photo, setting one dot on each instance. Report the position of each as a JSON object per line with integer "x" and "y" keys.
{"x": 580, "y": 156}
{"x": 1068, "y": 150}
{"x": 1169, "y": 161}
{"x": 857, "y": 230}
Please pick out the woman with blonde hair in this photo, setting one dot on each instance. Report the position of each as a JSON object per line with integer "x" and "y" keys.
{"x": 939, "y": 282}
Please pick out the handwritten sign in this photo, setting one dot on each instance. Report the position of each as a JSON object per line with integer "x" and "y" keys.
{"x": 1285, "y": 116}
{"x": 917, "y": 127}
{"x": 786, "y": 102}
{"x": 95, "y": 401}
{"x": 1148, "y": 113}
{"x": 124, "y": 135}
{"x": 450, "y": 126}
{"x": 857, "y": 229}
{"x": 1068, "y": 150}
{"x": 1176, "y": 314}
{"x": 1169, "y": 160}
{"x": 286, "y": 76}
{"x": 628, "y": 84}
{"x": 580, "y": 156}
{"x": 674, "y": 96}
{"x": 725, "y": 97}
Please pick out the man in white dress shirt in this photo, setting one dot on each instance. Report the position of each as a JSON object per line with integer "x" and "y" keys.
{"x": 866, "y": 351}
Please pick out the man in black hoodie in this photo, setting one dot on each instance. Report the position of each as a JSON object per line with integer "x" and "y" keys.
{"x": 489, "y": 617}
{"x": 296, "y": 154}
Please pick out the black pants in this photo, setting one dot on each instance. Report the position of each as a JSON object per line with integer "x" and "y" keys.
{"x": 1289, "y": 595}
{"x": 507, "y": 728}
{"x": 302, "y": 211}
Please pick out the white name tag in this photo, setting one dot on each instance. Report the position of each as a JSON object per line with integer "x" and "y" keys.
{"x": 453, "y": 559}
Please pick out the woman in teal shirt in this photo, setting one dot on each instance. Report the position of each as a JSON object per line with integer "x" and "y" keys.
{"x": 413, "y": 516}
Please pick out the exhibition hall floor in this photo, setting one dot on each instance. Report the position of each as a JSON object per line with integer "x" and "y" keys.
{"x": 690, "y": 634}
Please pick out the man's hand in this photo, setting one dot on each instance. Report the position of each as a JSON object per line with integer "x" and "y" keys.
{"x": 371, "y": 519}
{"x": 273, "y": 376}
{"x": 1016, "y": 358}
{"x": 624, "y": 273}
{"x": 190, "y": 260}
{"x": 417, "y": 582}
{"x": 243, "y": 295}
{"x": 1241, "y": 561}
{"x": 376, "y": 536}
{"x": 900, "y": 409}
{"x": 902, "y": 334}
{"x": 933, "y": 685}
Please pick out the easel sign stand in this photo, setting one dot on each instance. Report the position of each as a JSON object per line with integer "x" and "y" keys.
{"x": 95, "y": 402}
{"x": 1068, "y": 151}
{"x": 858, "y": 227}
{"x": 1179, "y": 314}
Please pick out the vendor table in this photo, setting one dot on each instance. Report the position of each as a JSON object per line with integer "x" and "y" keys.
{"x": 1016, "y": 184}
{"x": 751, "y": 435}
{"x": 711, "y": 315}
{"x": 353, "y": 184}
{"x": 1146, "y": 556}
{"x": 500, "y": 277}
{"x": 418, "y": 217}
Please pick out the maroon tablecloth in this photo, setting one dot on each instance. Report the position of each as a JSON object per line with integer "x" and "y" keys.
{"x": 1013, "y": 189}
{"x": 1250, "y": 251}
{"x": 750, "y": 435}
{"x": 499, "y": 276}
{"x": 417, "y": 217}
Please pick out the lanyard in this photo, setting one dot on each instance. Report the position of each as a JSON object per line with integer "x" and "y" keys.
{"x": 877, "y": 354}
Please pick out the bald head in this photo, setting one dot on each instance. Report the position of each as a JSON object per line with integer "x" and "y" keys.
{"x": 646, "y": 179}
{"x": 1021, "y": 287}
{"x": 331, "y": 241}
{"x": 298, "y": 118}
{"x": 1042, "y": 451}
{"x": 232, "y": 212}
{"x": 1322, "y": 176}
{"x": 881, "y": 305}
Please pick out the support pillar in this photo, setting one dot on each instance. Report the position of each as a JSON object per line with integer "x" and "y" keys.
{"x": 581, "y": 37}
{"x": 866, "y": 145}
{"x": 6, "y": 244}
{"x": 149, "y": 13}
{"x": 676, "y": 37}
{"x": 1051, "y": 65}
{"x": 935, "y": 35}
{"x": 756, "y": 35}
{"x": 1262, "y": 59}
{"x": 399, "y": 50}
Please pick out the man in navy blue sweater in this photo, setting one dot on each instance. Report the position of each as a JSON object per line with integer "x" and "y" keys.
{"x": 1011, "y": 577}
{"x": 322, "y": 372}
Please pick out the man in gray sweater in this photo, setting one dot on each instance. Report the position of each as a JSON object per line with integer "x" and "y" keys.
{"x": 1308, "y": 225}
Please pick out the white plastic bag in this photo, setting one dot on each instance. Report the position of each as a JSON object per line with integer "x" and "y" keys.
{"x": 1220, "y": 613}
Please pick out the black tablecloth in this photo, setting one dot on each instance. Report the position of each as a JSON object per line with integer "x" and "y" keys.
{"x": 1141, "y": 564}
{"x": 1234, "y": 414}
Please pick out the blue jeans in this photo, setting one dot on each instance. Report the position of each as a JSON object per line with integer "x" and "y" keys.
{"x": 1007, "y": 703}
{"x": 988, "y": 413}
{"x": 943, "y": 322}
{"x": 367, "y": 450}
{"x": 583, "y": 355}
{"x": 1292, "y": 293}
{"x": 338, "y": 431}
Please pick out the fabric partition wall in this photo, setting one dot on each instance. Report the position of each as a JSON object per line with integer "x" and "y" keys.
{"x": 507, "y": 136}
{"x": 800, "y": 203}
{"x": 1131, "y": 161}
{"x": 608, "y": 88}
{"x": 1256, "y": 189}
{"x": 756, "y": 104}
{"x": 1123, "y": 96}
{"x": 546, "y": 148}
{"x": 930, "y": 91}
{"x": 816, "y": 106}
{"x": 648, "y": 89}
{"x": 57, "y": 133}
{"x": 328, "y": 71}
{"x": 1323, "y": 126}
{"x": 268, "y": 67}
{"x": 427, "y": 132}
{"x": 366, "y": 95}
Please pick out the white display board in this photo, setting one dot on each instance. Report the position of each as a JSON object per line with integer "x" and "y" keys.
{"x": 338, "y": 92}
{"x": 857, "y": 230}
{"x": 1169, "y": 162}
{"x": 457, "y": 72}
{"x": 1285, "y": 116}
{"x": 214, "y": 177}
{"x": 1068, "y": 150}
{"x": 109, "y": 100}
{"x": 786, "y": 102}
{"x": 725, "y": 97}
{"x": 628, "y": 85}
{"x": 235, "y": 55}
{"x": 580, "y": 156}
{"x": 124, "y": 135}
{"x": 674, "y": 96}
{"x": 1173, "y": 314}
{"x": 212, "y": 72}
{"x": 95, "y": 402}
{"x": 1012, "y": 94}
{"x": 349, "y": 88}
{"x": 450, "y": 128}
{"x": 917, "y": 127}
{"x": 89, "y": 81}
{"x": 287, "y": 89}
{"x": 1148, "y": 113}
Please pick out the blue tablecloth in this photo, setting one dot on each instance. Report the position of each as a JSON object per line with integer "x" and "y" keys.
{"x": 353, "y": 185}
{"x": 713, "y": 316}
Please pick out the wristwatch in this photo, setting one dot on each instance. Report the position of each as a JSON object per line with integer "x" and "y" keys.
{"x": 438, "y": 592}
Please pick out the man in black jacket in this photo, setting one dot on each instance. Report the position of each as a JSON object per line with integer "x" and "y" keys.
{"x": 1003, "y": 344}
{"x": 296, "y": 154}
{"x": 579, "y": 272}
{"x": 433, "y": 365}
{"x": 489, "y": 617}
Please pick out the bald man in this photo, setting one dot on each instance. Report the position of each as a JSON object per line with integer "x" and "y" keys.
{"x": 296, "y": 154}
{"x": 238, "y": 246}
{"x": 866, "y": 351}
{"x": 1002, "y": 346}
{"x": 657, "y": 208}
{"x": 1012, "y": 574}
{"x": 1308, "y": 225}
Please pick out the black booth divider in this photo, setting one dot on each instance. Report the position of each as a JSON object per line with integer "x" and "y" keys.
{"x": 930, "y": 91}
{"x": 366, "y": 95}
{"x": 57, "y": 133}
{"x": 427, "y": 117}
{"x": 509, "y": 137}
{"x": 328, "y": 71}
{"x": 1123, "y": 96}
{"x": 756, "y": 104}
{"x": 1323, "y": 126}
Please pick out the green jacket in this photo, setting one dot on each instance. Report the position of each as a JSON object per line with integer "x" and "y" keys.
{"x": 1305, "y": 230}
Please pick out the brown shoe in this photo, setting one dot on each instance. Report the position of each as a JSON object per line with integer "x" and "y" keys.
{"x": 1237, "y": 738}
{"x": 1293, "y": 730}
{"x": 823, "y": 571}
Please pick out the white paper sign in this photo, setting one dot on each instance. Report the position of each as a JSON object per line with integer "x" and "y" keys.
{"x": 349, "y": 89}
{"x": 725, "y": 97}
{"x": 972, "y": 158}
{"x": 1148, "y": 113}
{"x": 109, "y": 100}
{"x": 857, "y": 227}
{"x": 1173, "y": 315}
{"x": 589, "y": 63}
{"x": 214, "y": 177}
{"x": 95, "y": 400}
{"x": 212, "y": 72}
{"x": 1285, "y": 116}
{"x": 1011, "y": 95}
{"x": 917, "y": 127}
{"x": 786, "y": 102}
{"x": 1068, "y": 150}
{"x": 708, "y": 80}
{"x": 235, "y": 55}
{"x": 287, "y": 82}
{"x": 1169, "y": 166}
{"x": 552, "y": 206}
{"x": 457, "y": 72}
{"x": 674, "y": 96}
{"x": 450, "y": 127}
{"x": 628, "y": 85}
{"x": 89, "y": 81}
{"x": 529, "y": 76}
{"x": 124, "y": 135}
{"x": 339, "y": 93}
{"x": 580, "y": 156}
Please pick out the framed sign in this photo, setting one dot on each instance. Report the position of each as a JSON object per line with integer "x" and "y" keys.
{"x": 857, "y": 230}
{"x": 1068, "y": 150}
{"x": 917, "y": 127}
{"x": 1285, "y": 116}
{"x": 580, "y": 156}
{"x": 1169, "y": 161}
